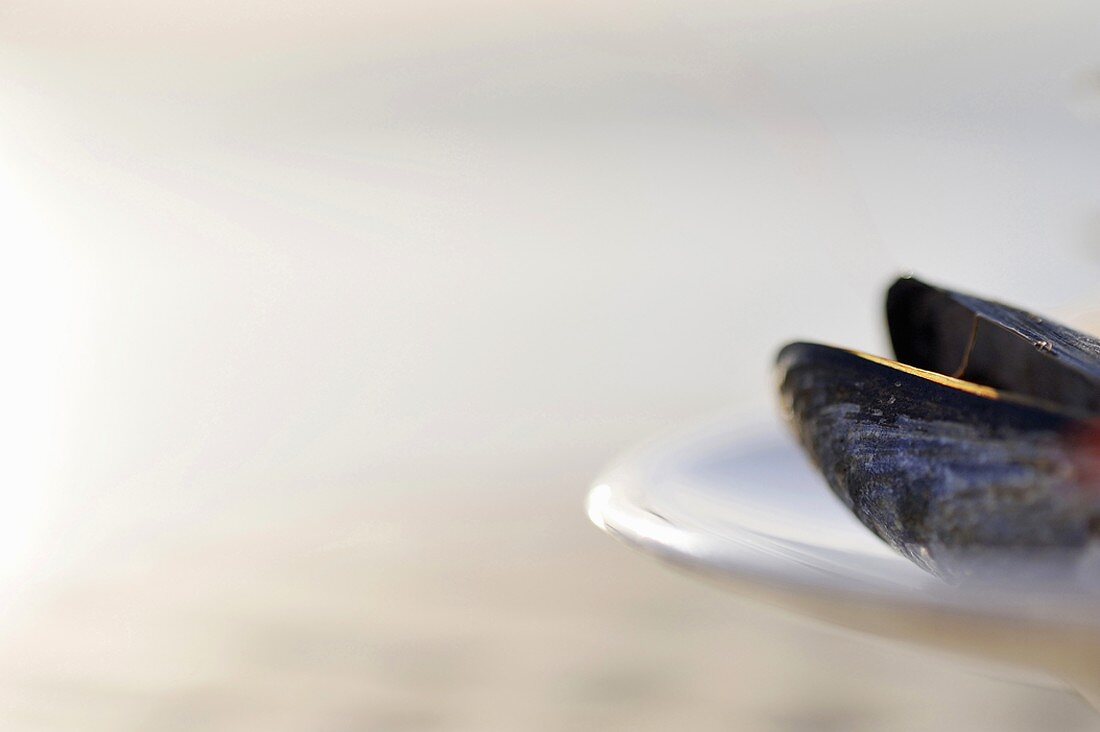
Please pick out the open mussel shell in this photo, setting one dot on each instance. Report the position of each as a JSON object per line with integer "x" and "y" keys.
{"x": 990, "y": 343}
{"x": 968, "y": 477}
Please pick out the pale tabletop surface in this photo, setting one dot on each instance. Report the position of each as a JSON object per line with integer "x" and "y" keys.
{"x": 320, "y": 323}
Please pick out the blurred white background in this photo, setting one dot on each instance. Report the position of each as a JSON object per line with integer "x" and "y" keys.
{"x": 321, "y": 316}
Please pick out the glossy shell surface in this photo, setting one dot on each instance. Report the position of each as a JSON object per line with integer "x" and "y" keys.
{"x": 965, "y": 476}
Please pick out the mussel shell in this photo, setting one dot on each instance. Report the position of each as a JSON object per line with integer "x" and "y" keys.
{"x": 956, "y": 476}
{"x": 987, "y": 342}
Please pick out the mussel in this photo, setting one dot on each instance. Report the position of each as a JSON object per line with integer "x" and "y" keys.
{"x": 978, "y": 449}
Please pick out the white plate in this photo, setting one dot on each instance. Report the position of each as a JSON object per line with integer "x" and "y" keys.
{"x": 744, "y": 507}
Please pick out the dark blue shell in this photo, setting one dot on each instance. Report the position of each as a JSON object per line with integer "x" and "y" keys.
{"x": 990, "y": 343}
{"x": 955, "y": 474}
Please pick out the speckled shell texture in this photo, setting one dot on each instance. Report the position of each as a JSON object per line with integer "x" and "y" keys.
{"x": 957, "y": 481}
